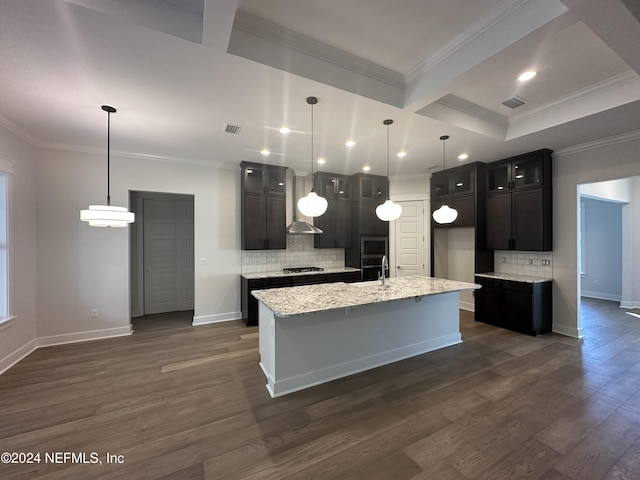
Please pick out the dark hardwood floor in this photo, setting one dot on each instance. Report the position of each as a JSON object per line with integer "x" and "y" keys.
{"x": 179, "y": 402}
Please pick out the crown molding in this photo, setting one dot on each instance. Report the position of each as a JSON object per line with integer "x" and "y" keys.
{"x": 18, "y": 131}
{"x": 603, "y": 142}
{"x": 464, "y": 106}
{"x": 289, "y": 39}
{"x": 140, "y": 156}
{"x": 610, "y": 84}
{"x": 483, "y": 24}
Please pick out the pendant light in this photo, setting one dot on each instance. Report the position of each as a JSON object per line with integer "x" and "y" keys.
{"x": 312, "y": 205}
{"x": 444, "y": 214}
{"x": 388, "y": 211}
{"x": 107, "y": 215}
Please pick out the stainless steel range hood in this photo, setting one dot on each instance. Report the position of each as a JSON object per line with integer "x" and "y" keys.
{"x": 299, "y": 226}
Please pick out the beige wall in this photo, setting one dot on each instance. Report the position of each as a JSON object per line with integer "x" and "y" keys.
{"x": 81, "y": 268}
{"x": 572, "y": 167}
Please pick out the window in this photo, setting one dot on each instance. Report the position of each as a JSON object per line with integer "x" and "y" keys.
{"x": 5, "y": 171}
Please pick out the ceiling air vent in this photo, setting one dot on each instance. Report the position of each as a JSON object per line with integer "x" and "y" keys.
{"x": 514, "y": 102}
{"x": 234, "y": 129}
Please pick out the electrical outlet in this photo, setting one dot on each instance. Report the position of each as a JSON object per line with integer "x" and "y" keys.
{"x": 378, "y": 331}
{"x": 93, "y": 313}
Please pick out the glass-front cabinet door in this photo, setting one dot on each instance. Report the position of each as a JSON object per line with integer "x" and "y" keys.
{"x": 343, "y": 188}
{"x": 253, "y": 178}
{"x": 440, "y": 184}
{"x": 527, "y": 173}
{"x": 276, "y": 180}
{"x": 461, "y": 181}
{"x": 498, "y": 177}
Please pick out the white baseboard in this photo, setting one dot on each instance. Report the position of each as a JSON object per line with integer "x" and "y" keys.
{"x": 14, "y": 357}
{"x": 630, "y": 304}
{"x": 84, "y": 336}
{"x": 566, "y": 331}
{"x": 469, "y": 306}
{"x": 216, "y": 318}
{"x": 601, "y": 296}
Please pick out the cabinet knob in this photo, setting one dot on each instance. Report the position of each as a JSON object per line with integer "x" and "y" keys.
{"x": 398, "y": 267}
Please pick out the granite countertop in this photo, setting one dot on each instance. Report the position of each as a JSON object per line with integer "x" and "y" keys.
{"x": 289, "y": 301}
{"x": 514, "y": 278}
{"x": 280, "y": 273}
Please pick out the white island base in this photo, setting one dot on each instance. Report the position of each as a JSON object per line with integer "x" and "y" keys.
{"x": 301, "y": 351}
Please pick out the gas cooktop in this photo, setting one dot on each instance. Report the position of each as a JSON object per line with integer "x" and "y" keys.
{"x": 302, "y": 269}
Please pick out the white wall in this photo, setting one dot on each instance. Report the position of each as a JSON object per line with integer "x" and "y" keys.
{"x": 18, "y": 337}
{"x": 572, "y": 167}
{"x": 81, "y": 267}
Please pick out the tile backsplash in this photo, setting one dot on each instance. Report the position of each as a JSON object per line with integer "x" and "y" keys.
{"x": 299, "y": 253}
{"x": 539, "y": 264}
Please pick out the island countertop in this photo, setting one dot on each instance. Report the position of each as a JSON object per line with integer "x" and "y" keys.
{"x": 304, "y": 299}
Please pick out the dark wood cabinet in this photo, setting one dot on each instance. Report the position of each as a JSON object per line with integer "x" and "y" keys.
{"x": 250, "y": 304}
{"x": 520, "y": 306}
{"x": 518, "y": 206}
{"x": 261, "y": 179}
{"x": 528, "y": 170}
{"x": 332, "y": 186}
{"x": 335, "y": 223}
{"x": 263, "y": 206}
{"x": 457, "y": 188}
{"x": 463, "y": 205}
{"x": 368, "y": 191}
{"x": 370, "y": 187}
{"x": 453, "y": 182}
{"x": 462, "y": 188}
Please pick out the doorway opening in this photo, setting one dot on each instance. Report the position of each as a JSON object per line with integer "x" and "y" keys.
{"x": 604, "y": 244}
{"x": 162, "y": 254}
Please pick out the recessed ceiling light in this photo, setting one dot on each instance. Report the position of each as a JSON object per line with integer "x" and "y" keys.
{"x": 527, "y": 75}
{"x": 366, "y": 168}
{"x": 265, "y": 152}
{"x": 321, "y": 161}
{"x": 350, "y": 143}
{"x": 463, "y": 156}
{"x": 402, "y": 154}
{"x": 285, "y": 130}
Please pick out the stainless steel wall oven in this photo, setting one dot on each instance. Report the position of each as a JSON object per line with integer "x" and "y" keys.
{"x": 372, "y": 250}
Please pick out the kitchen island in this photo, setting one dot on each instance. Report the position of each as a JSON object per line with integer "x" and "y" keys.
{"x": 313, "y": 334}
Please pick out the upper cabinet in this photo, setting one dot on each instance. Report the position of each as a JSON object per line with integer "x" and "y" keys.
{"x": 262, "y": 179}
{"x": 332, "y": 186}
{"x": 518, "y": 203}
{"x": 370, "y": 187}
{"x": 453, "y": 182}
{"x": 524, "y": 171}
{"x": 335, "y": 223}
{"x": 263, "y": 205}
{"x": 457, "y": 188}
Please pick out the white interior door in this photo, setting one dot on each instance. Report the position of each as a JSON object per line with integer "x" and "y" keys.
{"x": 168, "y": 255}
{"x": 409, "y": 241}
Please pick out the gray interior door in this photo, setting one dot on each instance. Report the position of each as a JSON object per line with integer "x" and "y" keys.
{"x": 168, "y": 255}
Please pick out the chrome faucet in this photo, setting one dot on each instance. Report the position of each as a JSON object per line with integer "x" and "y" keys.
{"x": 384, "y": 267}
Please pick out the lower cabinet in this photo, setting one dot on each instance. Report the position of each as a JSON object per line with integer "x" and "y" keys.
{"x": 521, "y": 306}
{"x": 250, "y": 304}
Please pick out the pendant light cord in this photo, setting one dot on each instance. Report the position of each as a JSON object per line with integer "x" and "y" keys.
{"x": 312, "y": 142}
{"x": 108, "y": 157}
{"x": 444, "y": 139}
{"x": 312, "y": 101}
{"x": 388, "y": 164}
{"x": 387, "y": 123}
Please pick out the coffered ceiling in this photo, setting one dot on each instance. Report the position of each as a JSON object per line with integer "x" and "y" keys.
{"x": 180, "y": 71}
